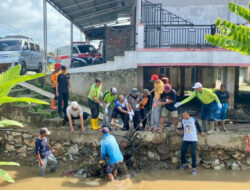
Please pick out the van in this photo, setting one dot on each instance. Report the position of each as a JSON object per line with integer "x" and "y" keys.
{"x": 21, "y": 50}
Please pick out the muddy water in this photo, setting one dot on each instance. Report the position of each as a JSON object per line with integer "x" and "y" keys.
{"x": 162, "y": 180}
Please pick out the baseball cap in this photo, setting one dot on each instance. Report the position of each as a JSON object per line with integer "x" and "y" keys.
{"x": 57, "y": 66}
{"x": 44, "y": 131}
{"x": 98, "y": 80}
{"x": 74, "y": 104}
{"x": 167, "y": 87}
{"x": 114, "y": 91}
{"x": 197, "y": 85}
{"x": 134, "y": 91}
{"x": 154, "y": 77}
{"x": 105, "y": 129}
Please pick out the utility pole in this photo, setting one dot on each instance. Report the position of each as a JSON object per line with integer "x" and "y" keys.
{"x": 71, "y": 40}
{"x": 45, "y": 33}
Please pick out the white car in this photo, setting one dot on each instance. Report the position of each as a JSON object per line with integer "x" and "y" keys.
{"x": 22, "y": 50}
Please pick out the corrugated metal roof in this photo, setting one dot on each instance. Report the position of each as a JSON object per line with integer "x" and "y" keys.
{"x": 85, "y": 13}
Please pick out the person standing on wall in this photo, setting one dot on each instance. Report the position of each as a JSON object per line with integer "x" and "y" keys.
{"x": 223, "y": 96}
{"x": 63, "y": 88}
{"x": 210, "y": 104}
{"x": 156, "y": 108}
{"x": 109, "y": 99}
{"x": 94, "y": 102}
{"x": 143, "y": 110}
{"x": 57, "y": 68}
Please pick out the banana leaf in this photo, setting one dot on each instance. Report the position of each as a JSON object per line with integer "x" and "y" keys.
{"x": 6, "y": 122}
{"x": 9, "y": 164}
{"x": 7, "y": 99}
{"x": 4, "y": 175}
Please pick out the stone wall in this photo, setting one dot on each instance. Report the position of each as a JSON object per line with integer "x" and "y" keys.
{"x": 145, "y": 150}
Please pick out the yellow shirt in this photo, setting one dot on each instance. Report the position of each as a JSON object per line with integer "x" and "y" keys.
{"x": 159, "y": 87}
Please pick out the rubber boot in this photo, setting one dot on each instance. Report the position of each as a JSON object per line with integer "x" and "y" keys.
{"x": 210, "y": 127}
{"x": 92, "y": 122}
{"x": 96, "y": 124}
{"x": 53, "y": 104}
{"x": 204, "y": 125}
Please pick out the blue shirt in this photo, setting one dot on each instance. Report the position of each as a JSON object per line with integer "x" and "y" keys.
{"x": 189, "y": 127}
{"x": 122, "y": 105}
{"x": 110, "y": 149}
{"x": 42, "y": 148}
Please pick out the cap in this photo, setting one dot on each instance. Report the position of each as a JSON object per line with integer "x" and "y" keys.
{"x": 98, "y": 80}
{"x": 146, "y": 91}
{"x": 57, "y": 66}
{"x": 74, "y": 104}
{"x": 134, "y": 91}
{"x": 154, "y": 77}
{"x": 113, "y": 90}
{"x": 63, "y": 68}
{"x": 105, "y": 130}
{"x": 167, "y": 87}
{"x": 44, "y": 131}
{"x": 197, "y": 85}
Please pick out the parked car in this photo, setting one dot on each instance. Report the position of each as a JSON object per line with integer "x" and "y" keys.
{"x": 21, "y": 50}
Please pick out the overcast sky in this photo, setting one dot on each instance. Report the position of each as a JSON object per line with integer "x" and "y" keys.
{"x": 17, "y": 17}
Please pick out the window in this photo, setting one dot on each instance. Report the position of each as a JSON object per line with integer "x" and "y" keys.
{"x": 27, "y": 45}
{"x": 161, "y": 71}
{"x": 10, "y": 45}
{"x": 168, "y": 73}
{"x": 32, "y": 47}
{"x": 193, "y": 75}
{"x": 37, "y": 47}
{"x": 74, "y": 50}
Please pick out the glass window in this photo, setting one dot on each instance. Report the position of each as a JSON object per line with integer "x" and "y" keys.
{"x": 85, "y": 48}
{"x": 193, "y": 75}
{"x": 37, "y": 47}
{"x": 168, "y": 73}
{"x": 161, "y": 71}
{"x": 32, "y": 47}
{"x": 10, "y": 45}
{"x": 74, "y": 50}
{"x": 26, "y": 44}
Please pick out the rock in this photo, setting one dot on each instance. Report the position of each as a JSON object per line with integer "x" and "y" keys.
{"x": 59, "y": 149}
{"x": 174, "y": 159}
{"x": 66, "y": 143}
{"x": 64, "y": 159}
{"x": 22, "y": 149}
{"x": 17, "y": 139}
{"x": 30, "y": 142}
{"x": 220, "y": 152}
{"x": 18, "y": 145}
{"x": 238, "y": 156}
{"x": 23, "y": 154}
{"x": 163, "y": 149}
{"x": 214, "y": 163}
{"x": 9, "y": 148}
{"x": 153, "y": 155}
{"x": 219, "y": 167}
{"x": 207, "y": 166}
{"x": 73, "y": 149}
{"x": 10, "y": 137}
{"x": 27, "y": 136}
{"x": 30, "y": 148}
{"x": 235, "y": 166}
{"x": 16, "y": 134}
{"x": 248, "y": 160}
{"x": 224, "y": 157}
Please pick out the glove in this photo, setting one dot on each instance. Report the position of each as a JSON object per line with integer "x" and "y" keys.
{"x": 130, "y": 117}
{"x": 107, "y": 105}
{"x": 101, "y": 94}
{"x": 177, "y": 104}
{"x": 167, "y": 100}
{"x": 132, "y": 113}
{"x": 101, "y": 104}
{"x": 219, "y": 105}
{"x": 137, "y": 106}
{"x": 106, "y": 110}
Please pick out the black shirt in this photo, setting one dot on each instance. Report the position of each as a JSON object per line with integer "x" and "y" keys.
{"x": 62, "y": 80}
{"x": 223, "y": 96}
{"x": 170, "y": 96}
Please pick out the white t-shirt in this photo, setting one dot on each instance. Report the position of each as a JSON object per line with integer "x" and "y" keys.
{"x": 73, "y": 113}
{"x": 189, "y": 127}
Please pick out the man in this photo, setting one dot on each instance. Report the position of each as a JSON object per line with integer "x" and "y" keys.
{"x": 94, "y": 102}
{"x": 74, "y": 111}
{"x": 156, "y": 108}
{"x": 44, "y": 152}
{"x": 189, "y": 126}
{"x": 134, "y": 100}
{"x": 110, "y": 149}
{"x": 109, "y": 99}
{"x": 143, "y": 105}
{"x": 122, "y": 108}
{"x": 63, "y": 88}
{"x": 168, "y": 100}
{"x": 210, "y": 103}
{"x": 57, "y": 68}
{"x": 223, "y": 96}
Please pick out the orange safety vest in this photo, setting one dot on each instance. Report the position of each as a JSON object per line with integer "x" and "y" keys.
{"x": 54, "y": 79}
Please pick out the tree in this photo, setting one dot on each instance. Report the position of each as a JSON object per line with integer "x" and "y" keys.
{"x": 232, "y": 36}
{"x": 7, "y": 81}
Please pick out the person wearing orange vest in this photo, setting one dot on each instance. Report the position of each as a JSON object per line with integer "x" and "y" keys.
{"x": 57, "y": 68}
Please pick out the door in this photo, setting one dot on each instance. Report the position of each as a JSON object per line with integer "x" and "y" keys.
{"x": 26, "y": 55}
{"x": 33, "y": 63}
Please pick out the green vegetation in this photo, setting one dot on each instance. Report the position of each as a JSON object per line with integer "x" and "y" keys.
{"x": 233, "y": 37}
{"x": 7, "y": 81}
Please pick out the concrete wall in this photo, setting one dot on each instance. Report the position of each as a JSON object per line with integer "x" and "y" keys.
{"x": 202, "y": 11}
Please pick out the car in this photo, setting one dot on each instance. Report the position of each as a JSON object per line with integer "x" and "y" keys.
{"x": 21, "y": 50}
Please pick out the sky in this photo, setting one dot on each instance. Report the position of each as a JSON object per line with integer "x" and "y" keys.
{"x": 17, "y": 17}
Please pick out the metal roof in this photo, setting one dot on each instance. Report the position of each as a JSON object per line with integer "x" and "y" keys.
{"x": 85, "y": 13}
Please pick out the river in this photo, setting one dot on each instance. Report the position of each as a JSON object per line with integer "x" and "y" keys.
{"x": 26, "y": 179}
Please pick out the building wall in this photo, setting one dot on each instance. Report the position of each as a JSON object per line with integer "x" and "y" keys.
{"x": 202, "y": 11}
